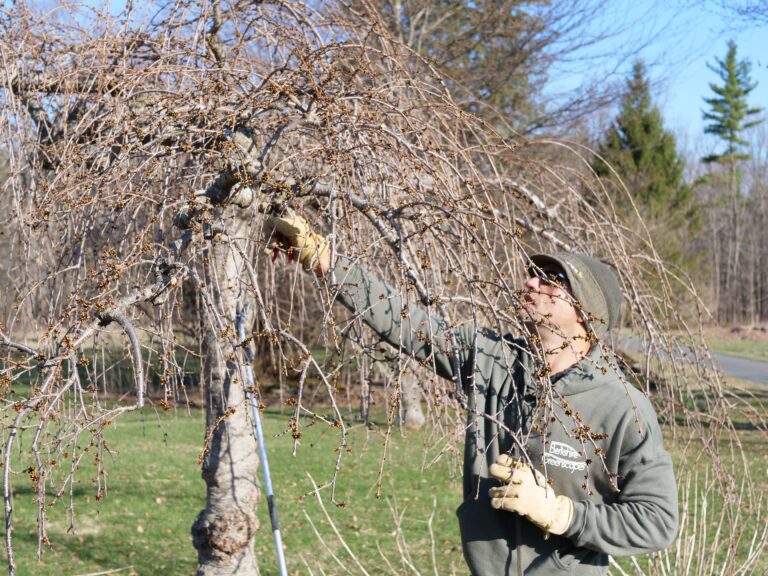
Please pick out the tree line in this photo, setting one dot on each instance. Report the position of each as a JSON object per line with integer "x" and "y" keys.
{"x": 713, "y": 225}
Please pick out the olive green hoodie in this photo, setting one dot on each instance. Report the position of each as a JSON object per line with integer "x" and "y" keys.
{"x": 601, "y": 444}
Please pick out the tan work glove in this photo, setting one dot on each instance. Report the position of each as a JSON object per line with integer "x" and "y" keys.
{"x": 290, "y": 231}
{"x": 526, "y": 492}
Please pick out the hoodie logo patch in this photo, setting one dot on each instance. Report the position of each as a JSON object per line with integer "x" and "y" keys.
{"x": 564, "y": 456}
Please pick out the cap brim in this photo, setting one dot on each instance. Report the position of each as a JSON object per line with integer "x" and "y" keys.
{"x": 541, "y": 260}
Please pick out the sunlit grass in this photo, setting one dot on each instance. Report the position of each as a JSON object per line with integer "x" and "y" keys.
{"x": 155, "y": 491}
{"x": 142, "y": 525}
{"x": 752, "y": 345}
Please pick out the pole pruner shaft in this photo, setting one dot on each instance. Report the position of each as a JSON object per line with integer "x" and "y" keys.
{"x": 256, "y": 413}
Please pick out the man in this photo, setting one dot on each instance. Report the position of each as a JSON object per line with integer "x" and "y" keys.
{"x": 564, "y": 462}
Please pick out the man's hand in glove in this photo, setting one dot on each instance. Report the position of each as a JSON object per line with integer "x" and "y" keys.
{"x": 526, "y": 492}
{"x": 291, "y": 232}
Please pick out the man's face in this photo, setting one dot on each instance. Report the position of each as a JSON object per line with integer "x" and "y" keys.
{"x": 548, "y": 302}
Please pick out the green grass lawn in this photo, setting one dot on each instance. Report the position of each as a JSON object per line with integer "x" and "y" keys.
{"x": 142, "y": 526}
{"x": 756, "y": 350}
{"x": 726, "y": 342}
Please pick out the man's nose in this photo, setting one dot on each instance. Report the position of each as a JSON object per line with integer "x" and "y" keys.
{"x": 533, "y": 283}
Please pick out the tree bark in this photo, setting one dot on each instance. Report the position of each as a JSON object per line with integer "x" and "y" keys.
{"x": 410, "y": 413}
{"x": 224, "y": 532}
{"x": 410, "y": 397}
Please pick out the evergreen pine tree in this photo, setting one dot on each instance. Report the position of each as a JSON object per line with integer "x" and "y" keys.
{"x": 729, "y": 113}
{"x": 729, "y": 116}
{"x": 644, "y": 156}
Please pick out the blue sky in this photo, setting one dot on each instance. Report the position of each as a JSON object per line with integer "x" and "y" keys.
{"x": 682, "y": 86}
{"x": 680, "y": 37}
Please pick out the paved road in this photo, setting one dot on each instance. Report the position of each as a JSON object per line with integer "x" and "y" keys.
{"x": 737, "y": 367}
{"x": 744, "y": 368}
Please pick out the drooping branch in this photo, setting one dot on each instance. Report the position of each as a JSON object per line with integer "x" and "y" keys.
{"x": 138, "y": 369}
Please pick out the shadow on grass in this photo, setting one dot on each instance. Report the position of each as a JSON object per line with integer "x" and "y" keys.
{"x": 28, "y": 490}
{"x": 103, "y": 553}
{"x": 748, "y": 411}
{"x": 91, "y": 549}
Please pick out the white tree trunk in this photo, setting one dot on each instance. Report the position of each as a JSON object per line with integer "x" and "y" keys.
{"x": 224, "y": 532}
{"x": 410, "y": 396}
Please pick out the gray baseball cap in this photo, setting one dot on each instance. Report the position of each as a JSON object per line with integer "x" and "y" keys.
{"x": 593, "y": 284}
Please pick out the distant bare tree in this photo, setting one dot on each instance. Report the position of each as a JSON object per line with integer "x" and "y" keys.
{"x": 750, "y": 12}
{"x": 146, "y": 149}
{"x": 756, "y": 173}
{"x": 498, "y": 57}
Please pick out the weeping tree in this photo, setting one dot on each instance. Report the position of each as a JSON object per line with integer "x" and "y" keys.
{"x": 146, "y": 151}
